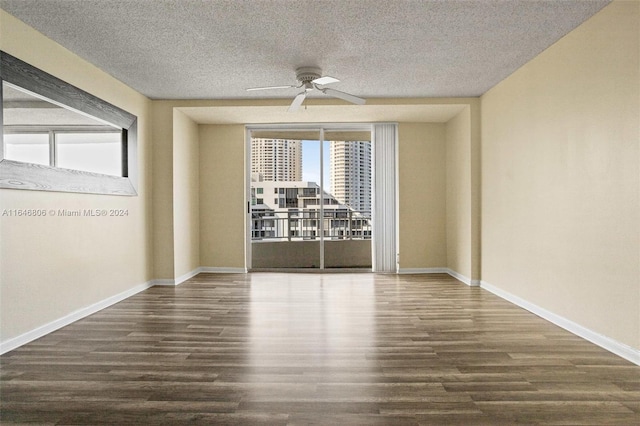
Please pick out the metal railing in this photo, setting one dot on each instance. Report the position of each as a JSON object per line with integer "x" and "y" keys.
{"x": 304, "y": 224}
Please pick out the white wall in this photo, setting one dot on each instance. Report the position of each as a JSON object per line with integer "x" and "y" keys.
{"x": 561, "y": 177}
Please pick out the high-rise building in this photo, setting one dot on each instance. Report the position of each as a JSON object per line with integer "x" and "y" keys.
{"x": 286, "y": 210}
{"x": 277, "y": 160}
{"x": 350, "y": 173}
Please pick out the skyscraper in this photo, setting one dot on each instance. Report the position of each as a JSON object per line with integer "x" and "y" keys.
{"x": 277, "y": 160}
{"x": 350, "y": 173}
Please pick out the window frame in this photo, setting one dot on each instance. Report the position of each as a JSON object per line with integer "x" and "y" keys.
{"x": 28, "y": 176}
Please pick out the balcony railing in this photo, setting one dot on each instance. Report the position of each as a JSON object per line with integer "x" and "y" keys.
{"x": 304, "y": 224}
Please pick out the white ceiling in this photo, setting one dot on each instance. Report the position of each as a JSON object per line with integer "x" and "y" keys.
{"x": 214, "y": 49}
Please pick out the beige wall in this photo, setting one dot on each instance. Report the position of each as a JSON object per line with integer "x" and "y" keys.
{"x": 476, "y": 189}
{"x": 186, "y": 195}
{"x": 53, "y": 266}
{"x": 458, "y": 204}
{"x": 162, "y": 124}
{"x": 422, "y": 195}
{"x": 222, "y": 196}
{"x": 560, "y": 177}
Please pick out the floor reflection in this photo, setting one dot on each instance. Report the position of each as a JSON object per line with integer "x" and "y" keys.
{"x": 306, "y": 328}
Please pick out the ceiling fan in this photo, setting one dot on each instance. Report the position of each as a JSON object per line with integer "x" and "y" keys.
{"x": 309, "y": 79}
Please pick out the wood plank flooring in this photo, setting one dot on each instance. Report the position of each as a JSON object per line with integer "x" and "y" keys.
{"x": 316, "y": 349}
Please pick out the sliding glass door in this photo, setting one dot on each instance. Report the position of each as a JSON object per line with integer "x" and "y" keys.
{"x": 309, "y": 198}
{"x": 285, "y": 232}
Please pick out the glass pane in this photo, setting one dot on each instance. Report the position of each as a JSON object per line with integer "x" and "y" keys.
{"x": 348, "y": 213}
{"x": 28, "y": 148}
{"x": 90, "y": 152}
{"x": 284, "y": 201}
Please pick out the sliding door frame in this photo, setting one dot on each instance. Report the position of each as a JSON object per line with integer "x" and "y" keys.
{"x": 321, "y": 128}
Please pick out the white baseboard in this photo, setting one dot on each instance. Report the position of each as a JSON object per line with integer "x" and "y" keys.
{"x": 164, "y": 281}
{"x": 177, "y": 281}
{"x": 38, "y": 332}
{"x": 422, "y": 271}
{"x": 222, "y": 270}
{"x": 620, "y": 349}
{"x": 209, "y": 269}
{"x": 468, "y": 281}
{"x": 182, "y": 278}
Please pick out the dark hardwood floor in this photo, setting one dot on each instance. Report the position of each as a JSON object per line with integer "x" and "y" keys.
{"x": 325, "y": 349}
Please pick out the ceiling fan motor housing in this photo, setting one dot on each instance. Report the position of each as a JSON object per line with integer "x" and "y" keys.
{"x": 307, "y": 74}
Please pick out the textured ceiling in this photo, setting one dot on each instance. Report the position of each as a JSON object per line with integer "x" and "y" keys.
{"x": 214, "y": 49}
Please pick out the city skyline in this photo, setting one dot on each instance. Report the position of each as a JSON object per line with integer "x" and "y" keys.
{"x": 309, "y": 154}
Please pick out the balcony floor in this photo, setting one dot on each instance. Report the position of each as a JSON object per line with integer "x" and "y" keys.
{"x": 306, "y": 254}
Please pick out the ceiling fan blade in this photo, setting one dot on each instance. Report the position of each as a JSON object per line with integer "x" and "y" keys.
{"x": 269, "y": 88}
{"x": 346, "y": 96}
{"x": 325, "y": 80}
{"x": 297, "y": 101}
